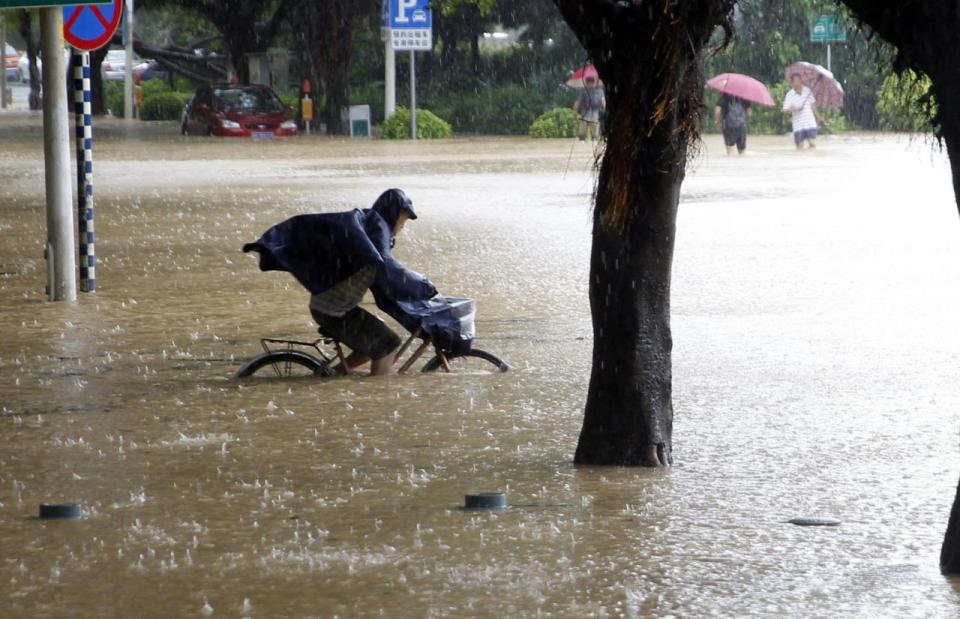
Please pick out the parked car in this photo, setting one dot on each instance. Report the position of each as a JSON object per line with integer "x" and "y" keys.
{"x": 114, "y": 65}
{"x": 12, "y": 65}
{"x": 241, "y": 111}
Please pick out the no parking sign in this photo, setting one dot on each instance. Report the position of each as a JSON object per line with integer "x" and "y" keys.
{"x": 91, "y": 26}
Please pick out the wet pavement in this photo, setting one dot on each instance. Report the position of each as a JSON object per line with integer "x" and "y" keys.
{"x": 816, "y": 353}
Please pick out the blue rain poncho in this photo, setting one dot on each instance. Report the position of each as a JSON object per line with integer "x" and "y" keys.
{"x": 322, "y": 250}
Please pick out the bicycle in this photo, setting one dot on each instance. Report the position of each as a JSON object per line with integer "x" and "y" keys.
{"x": 453, "y": 349}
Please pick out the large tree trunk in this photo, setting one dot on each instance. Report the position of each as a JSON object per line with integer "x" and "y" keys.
{"x": 949, "y": 100}
{"x": 629, "y": 413}
{"x": 649, "y": 57}
{"x": 925, "y": 36}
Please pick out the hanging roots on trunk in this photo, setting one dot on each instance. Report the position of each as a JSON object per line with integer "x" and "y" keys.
{"x": 649, "y": 56}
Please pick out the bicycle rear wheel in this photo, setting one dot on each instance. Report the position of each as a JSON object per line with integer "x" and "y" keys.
{"x": 282, "y": 363}
{"x": 475, "y": 360}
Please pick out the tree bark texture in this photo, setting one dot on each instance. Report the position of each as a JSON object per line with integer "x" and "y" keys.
{"x": 649, "y": 56}
{"x": 925, "y": 35}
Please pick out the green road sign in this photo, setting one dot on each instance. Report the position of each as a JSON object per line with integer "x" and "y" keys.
{"x": 827, "y": 30}
{"x": 32, "y": 4}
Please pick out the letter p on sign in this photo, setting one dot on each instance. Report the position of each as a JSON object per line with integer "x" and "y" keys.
{"x": 402, "y": 7}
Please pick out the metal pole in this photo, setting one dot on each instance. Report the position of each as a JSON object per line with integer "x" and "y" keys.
{"x": 128, "y": 64}
{"x": 390, "y": 79}
{"x": 84, "y": 124}
{"x": 3, "y": 61}
{"x": 828, "y": 58}
{"x": 56, "y": 155}
{"x": 413, "y": 95}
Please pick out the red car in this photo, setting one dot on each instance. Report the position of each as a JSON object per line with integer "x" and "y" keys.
{"x": 240, "y": 111}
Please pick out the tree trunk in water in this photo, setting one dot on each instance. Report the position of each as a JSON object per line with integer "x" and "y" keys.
{"x": 629, "y": 413}
{"x": 925, "y": 36}
{"x": 950, "y": 118}
{"x": 649, "y": 57}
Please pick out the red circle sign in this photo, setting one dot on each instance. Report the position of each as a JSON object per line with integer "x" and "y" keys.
{"x": 91, "y": 26}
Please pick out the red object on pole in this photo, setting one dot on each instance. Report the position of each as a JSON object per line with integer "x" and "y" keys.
{"x": 306, "y": 87}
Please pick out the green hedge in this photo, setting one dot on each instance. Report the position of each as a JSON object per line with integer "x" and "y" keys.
{"x": 560, "y": 122}
{"x": 113, "y": 92}
{"x": 904, "y": 103}
{"x": 507, "y": 109}
{"x": 429, "y": 126}
{"x": 163, "y": 106}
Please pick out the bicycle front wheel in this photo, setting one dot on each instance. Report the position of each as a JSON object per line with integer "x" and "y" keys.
{"x": 474, "y": 361}
{"x": 282, "y": 363}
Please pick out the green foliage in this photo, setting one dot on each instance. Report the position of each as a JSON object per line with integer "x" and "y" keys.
{"x": 162, "y": 106}
{"x": 774, "y": 34}
{"x": 559, "y": 122}
{"x": 291, "y": 99}
{"x": 157, "y": 96}
{"x": 429, "y": 126}
{"x": 905, "y": 103}
{"x": 506, "y": 109}
{"x": 450, "y": 7}
{"x": 113, "y": 93}
{"x": 771, "y": 120}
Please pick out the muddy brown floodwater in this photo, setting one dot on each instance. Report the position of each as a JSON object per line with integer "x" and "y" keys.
{"x": 817, "y": 347}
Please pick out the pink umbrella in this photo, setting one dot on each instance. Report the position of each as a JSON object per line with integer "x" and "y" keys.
{"x": 826, "y": 90}
{"x": 576, "y": 80}
{"x": 742, "y": 86}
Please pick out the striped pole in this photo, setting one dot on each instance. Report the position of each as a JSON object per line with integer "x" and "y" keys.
{"x": 84, "y": 116}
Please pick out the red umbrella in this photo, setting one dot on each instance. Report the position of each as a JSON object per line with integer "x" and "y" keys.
{"x": 826, "y": 90}
{"x": 742, "y": 86}
{"x": 576, "y": 80}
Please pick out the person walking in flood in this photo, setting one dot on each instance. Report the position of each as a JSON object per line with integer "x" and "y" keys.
{"x": 589, "y": 105}
{"x": 731, "y": 117}
{"x": 800, "y": 103}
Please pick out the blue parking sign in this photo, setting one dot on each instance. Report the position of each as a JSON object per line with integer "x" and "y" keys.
{"x": 411, "y": 14}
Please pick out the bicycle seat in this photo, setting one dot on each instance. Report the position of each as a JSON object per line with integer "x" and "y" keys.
{"x": 326, "y": 338}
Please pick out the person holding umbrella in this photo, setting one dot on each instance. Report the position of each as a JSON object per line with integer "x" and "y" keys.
{"x": 731, "y": 116}
{"x": 590, "y": 104}
{"x": 735, "y": 106}
{"x": 801, "y": 104}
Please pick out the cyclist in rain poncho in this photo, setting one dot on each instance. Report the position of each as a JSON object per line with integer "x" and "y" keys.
{"x": 337, "y": 257}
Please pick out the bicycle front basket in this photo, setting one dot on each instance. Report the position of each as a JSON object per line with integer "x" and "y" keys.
{"x": 448, "y": 319}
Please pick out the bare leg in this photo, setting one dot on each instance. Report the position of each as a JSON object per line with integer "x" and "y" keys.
{"x": 353, "y": 360}
{"x": 812, "y": 143}
{"x": 382, "y": 366}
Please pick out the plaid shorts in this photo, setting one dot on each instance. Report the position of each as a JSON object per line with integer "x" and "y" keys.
{"x": 360, "y": 330}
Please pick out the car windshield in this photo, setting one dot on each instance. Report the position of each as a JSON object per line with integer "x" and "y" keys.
{"x": 246, "y": 100}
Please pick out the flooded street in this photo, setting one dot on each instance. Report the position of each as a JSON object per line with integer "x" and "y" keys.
{"x": 817, "y": 347}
